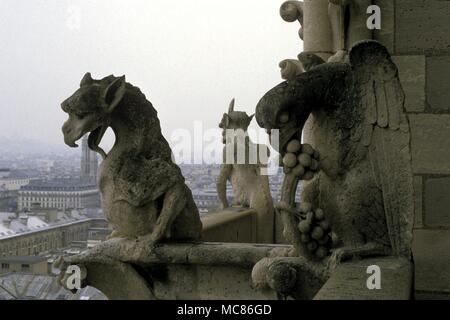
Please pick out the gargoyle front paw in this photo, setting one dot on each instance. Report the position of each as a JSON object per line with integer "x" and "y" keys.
{"x": 72, "y": 275}
{"x": 150, "y": 241}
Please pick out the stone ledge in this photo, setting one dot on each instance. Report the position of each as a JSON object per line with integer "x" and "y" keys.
{"x": 234, "y": 224}
{"x": 348, "y": 282}
{"x": 229, "y": 215}
{"x": 131, "y": 269}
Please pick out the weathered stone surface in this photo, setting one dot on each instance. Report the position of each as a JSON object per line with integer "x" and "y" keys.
{"x": 316, "y": 27}
{"x": 293, "y": 277}
{"x": 292, "y": 11}
{"x": 177, "y": 270}
{"x": 208, "y": 282}
{"x": 438, "y": 82}
{"x": 412, "y": 76}
{"x": 143, "y": 190}
{"x": 437, "y": 201}
{"x": 232, "y": 225}
{"x": 349, "y": 281}
{"x": 418, "y": 202}
{"x": 432, "y": 261}
{"x": 349, "y": 178}
{"x": 386, "y": 34}
{"x": 422, "y": 26}
{"x": 430, "y": 143}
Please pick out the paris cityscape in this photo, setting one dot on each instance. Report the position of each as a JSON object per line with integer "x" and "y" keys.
{"x": 50, "y": 206}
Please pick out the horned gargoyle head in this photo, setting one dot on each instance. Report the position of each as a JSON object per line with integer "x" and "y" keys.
{"x": 90, "y": 109}
{"x": 234, "y": 120}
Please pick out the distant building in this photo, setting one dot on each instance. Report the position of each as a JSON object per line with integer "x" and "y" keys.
{"x": 27, "y": 234}
{"x": 28, "y": 264}
{"x": 64, "y": 193}
{"x": 89, "y": 161}
{"x": 4, "y": 172}
{"x": 10, "y": 184}
{"x": 206, "y": 200}
{"x": 11, "y": 180}
{"x": 60, "y": 194}
{"x": 8, "y": 200}
{"x": 25, "y": 286}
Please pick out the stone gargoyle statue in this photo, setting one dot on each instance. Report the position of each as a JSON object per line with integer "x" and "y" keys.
{"x": 364, "y": 189}
{"x": 250, "y": 185}
{"x": 144, "y": 195}
{"x": 143, "y": 191}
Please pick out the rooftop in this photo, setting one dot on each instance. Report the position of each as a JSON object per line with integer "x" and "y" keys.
{"x": 62, "y": 184}
{"x": 22, "y": 286}
{"x": 12, "y": 224}
{"x": 23, "y": 259}
{"x": 8, "y": 174}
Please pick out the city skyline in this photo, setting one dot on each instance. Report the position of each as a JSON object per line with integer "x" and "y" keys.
{"x": 207, "y": 61}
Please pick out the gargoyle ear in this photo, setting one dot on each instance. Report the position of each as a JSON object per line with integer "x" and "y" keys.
{"x": 87, "y": 80}
{"x": 114, "y": 93}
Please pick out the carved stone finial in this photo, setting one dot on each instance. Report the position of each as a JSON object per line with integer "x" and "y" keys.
{"x": 292, "y": 11}
{"x": 290, "y": 68}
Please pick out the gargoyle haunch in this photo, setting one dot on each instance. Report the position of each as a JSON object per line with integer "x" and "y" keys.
{"x": 143, "y": 191}
{"x": 360, "y": 130}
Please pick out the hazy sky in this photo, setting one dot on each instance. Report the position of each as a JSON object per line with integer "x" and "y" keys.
{"x": 189, "y": 57}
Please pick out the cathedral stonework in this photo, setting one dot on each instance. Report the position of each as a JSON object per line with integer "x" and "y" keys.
{"x": 362, "y": 121}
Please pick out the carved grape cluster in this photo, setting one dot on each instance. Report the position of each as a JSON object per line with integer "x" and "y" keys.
{"x": 315, "y": 231}
{"x": 301, "y": 160}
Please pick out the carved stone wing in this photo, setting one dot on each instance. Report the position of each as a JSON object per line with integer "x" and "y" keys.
{"x": 386, "y": 134}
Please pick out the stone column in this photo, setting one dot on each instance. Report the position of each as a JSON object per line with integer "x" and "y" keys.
{"x": 317, "y": 34}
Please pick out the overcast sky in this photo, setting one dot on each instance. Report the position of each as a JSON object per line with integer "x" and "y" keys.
{"x": 189, "y": 57}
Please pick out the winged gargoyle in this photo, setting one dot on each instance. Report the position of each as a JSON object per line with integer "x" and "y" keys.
{"x": 362, "y": 134}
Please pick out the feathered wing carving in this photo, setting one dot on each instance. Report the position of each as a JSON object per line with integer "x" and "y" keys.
{"x": 386, "y": 135}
